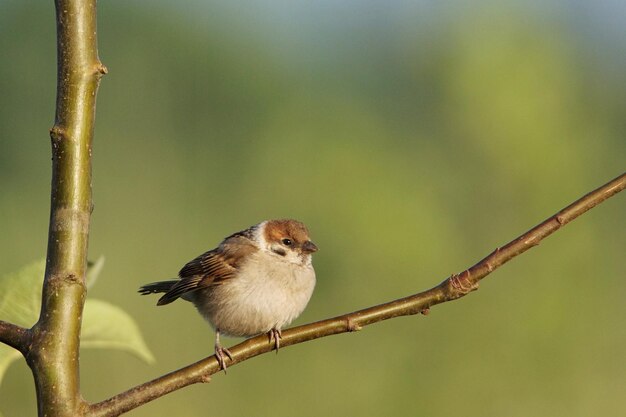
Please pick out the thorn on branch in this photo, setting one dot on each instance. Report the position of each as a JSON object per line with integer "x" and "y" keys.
{"x": 102, "y": 69}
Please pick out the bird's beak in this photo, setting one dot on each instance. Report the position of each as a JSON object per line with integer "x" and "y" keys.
{"x": 309, "y": 247}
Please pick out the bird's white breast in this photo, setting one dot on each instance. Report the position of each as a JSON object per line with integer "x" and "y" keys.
{"x": 268, "y": 293}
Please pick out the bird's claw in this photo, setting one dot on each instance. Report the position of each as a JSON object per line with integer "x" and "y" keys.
{"x": 220, "y": 355}
{"x": 275, "y": 335}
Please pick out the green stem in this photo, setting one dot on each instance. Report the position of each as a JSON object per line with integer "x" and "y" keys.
{"x": 53, "y": 355}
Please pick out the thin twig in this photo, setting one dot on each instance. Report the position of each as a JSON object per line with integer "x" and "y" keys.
{"x": 15, "y": 336}
{"x": 452, "y": 288}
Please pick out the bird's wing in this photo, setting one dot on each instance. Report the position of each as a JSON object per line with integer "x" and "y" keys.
{"x": 211, "y": 268}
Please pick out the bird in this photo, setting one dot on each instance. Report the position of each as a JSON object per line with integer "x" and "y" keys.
{"x": 256, "y": 281}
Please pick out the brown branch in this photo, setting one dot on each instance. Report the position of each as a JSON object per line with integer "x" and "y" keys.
{"x": 450, "y": 289}
{"x": 15, "y": 336}
{"x": 53, "y": 356}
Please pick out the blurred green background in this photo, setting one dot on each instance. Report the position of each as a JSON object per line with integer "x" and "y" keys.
{"x": 412, "y": 137}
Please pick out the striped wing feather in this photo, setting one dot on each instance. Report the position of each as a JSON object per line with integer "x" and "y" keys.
{"x": 211, "y": 268}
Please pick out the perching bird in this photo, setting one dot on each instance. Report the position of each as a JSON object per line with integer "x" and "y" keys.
{"x": 256, "y": 281}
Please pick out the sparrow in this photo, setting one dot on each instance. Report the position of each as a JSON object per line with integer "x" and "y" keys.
{"x": 256, "y": 281}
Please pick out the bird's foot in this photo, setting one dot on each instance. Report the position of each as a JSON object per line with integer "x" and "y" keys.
{"x": 221, "y": 354}
{"x": 275, "y": 335}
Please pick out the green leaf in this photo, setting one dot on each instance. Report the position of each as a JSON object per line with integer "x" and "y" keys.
{"x": 108, "y": 326}
{"x": 7, "y": 356}
{"x": 104, "y": 325}
{"x": 20, "y": 294}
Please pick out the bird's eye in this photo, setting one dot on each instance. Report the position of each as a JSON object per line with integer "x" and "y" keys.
{"x": 287, "y": 242}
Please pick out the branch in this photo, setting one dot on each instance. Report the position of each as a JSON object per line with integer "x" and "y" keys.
{"x": 15, "y": 336}
{"x": 450, "y": 289}
{"x": 53, "y": 356}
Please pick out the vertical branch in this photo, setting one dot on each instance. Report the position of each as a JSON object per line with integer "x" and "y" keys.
{"x": 53, "y": 356}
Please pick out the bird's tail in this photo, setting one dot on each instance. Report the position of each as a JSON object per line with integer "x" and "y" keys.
{"x": 157, "y": 287}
